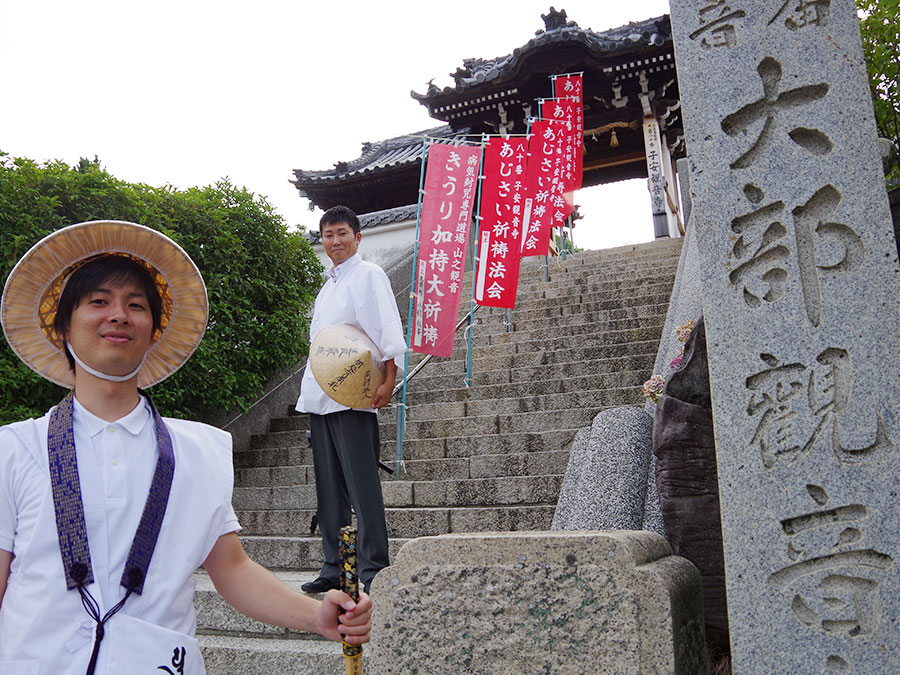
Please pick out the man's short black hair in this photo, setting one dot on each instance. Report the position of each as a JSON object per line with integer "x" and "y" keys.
{"x": 339, "y": 214}
{"x": 107, "y": 269}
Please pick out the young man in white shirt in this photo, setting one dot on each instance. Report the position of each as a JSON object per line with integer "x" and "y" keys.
{"x": 345, "y": 441}
{"x": 103, "y": 308}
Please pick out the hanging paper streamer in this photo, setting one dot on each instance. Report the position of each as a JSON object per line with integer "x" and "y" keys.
{"x": 451, "y": 178}
{"x": 571, "y": 87}
{"x": 560, "y": 113}
{"x": 502, "y": 198}
{"x": 563, "y": 112}
{"x": 537, "y": 216}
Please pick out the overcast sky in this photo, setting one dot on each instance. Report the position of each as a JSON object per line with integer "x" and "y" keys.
{"x": 187, "y": 91}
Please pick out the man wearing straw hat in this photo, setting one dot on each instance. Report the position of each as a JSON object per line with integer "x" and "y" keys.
{"x": 356, "y": 304}
{"x": 106, "y": 508}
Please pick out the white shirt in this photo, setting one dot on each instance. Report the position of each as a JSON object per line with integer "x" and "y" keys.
{"x": 359, "y": 293}
{"x": 43, "y": 627}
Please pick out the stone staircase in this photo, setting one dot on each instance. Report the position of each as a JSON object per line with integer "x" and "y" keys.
{"x": 488, "y": 457}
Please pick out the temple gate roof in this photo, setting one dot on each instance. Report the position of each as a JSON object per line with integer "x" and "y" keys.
{"x": 629, "y": 73}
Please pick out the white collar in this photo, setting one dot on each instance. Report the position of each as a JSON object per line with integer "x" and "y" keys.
{"x": 133, "y": 422}
{"x": 337, "y": 270}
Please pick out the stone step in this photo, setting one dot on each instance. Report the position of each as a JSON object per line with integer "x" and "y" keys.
{"x": 549, "y": 357}
{"x": 534, "y": 281}
{"x": 625, "y": 379}
{"x": 282, "y": 474}
{"x": 421, "y": 446}
{"x": 230, "y": 655}
{"x": 550, "y": 339}
{"x": 507, "y": 491}
{"x": 492, "y": 321}
{"x": 660, "y": 263}
{"x": 275, "y": 497}
{"x": 504, "y": 491}
{"x": 295, "y": 553}
{"x": 617, "y": 298}
{"x": 524, "y": 402}
{"x": 638, "y": 254}
{"x": 565, "y": 287}
{"x": 419, "y": 522}
{"x": 492, "y": 444}
{"x": 595, "y": 309}
{"x": 570, "y": 330}
{"x": 580, "y": 302}
{"x": 516, "y": 425}
{"x": 410, "y": 522}
{"x": 275, "y": 456}
{"x": 504, "y": 423}
{"x": 294, "y": 438}
{"x": 277, "y": 523}
{"x": 480, "y": 466}
{"x": 638, "y": 360}
{"x": 561, "y": 341}
{"x": 637, "y": 263}
{"x": 298, "y": 422}
{"x": 537, "y": 376}
{"x": 509, "y": 398}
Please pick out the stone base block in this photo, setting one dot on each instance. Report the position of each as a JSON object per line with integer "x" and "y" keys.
{"x": 538, "y": 602}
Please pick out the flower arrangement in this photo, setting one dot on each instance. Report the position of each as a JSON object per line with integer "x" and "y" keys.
{"x": 654, "y": 387}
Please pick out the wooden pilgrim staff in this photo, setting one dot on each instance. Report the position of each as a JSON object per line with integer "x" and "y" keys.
{"x": 350, "y": 586}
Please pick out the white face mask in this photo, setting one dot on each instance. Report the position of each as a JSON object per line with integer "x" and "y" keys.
{"x": 104, "y": 376}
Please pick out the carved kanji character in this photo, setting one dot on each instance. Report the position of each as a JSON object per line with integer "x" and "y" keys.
{"x": 769, "y": 107}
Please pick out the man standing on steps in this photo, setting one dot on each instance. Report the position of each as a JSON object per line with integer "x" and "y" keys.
{"x": 345, "y": 441}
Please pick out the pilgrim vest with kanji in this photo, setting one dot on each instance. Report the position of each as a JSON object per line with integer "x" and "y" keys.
{"x": 44, "y": 628}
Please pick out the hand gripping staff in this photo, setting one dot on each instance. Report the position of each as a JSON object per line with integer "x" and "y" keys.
{"x": 350, "y": 586}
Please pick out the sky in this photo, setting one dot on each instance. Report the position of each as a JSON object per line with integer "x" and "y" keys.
{"x": 185, "y": 92}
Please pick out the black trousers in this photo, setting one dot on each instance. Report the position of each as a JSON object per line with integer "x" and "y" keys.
{"x": 345, "y": 458}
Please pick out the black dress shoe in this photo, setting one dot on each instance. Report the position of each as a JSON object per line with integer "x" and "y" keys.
{"x": 320, "y": 585}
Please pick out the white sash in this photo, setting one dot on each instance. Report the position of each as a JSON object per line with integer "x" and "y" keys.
{"x": 141, "y": 648}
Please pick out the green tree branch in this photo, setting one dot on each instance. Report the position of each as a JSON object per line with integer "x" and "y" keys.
{"x": 261, "y": 278}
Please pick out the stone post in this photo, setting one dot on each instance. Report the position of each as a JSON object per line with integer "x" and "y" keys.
{"x": 802, "y": 303}
{"x": 566, "y": 603}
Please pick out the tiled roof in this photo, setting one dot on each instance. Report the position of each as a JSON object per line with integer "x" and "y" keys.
{"x": 386, "y": 154}
{"x": 641, "y": 34}
{"x": 384, "y": 217}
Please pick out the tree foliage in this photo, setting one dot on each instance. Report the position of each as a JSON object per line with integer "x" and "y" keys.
{"x": 261, "y": 279}
{"x": 881, "y": 42}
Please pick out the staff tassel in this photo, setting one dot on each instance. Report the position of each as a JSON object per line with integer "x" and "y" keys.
{"x": 350, "y": 586}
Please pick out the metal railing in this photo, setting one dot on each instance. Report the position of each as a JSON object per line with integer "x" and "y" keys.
{"x": 399, "y": 464}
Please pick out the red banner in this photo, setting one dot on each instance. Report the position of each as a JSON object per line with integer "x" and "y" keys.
{"x": 565, "y": 112}
{"x": 571, "y": 87}
{"x": 542, "y": 193}
{"x": 451, "y": 178}
{"x": 562, "y": 113}
{"x": 502, "y": 196}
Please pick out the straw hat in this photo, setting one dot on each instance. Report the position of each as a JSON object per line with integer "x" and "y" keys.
{"x": 346, "y": 364}
{"x": 32, "y": 291}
